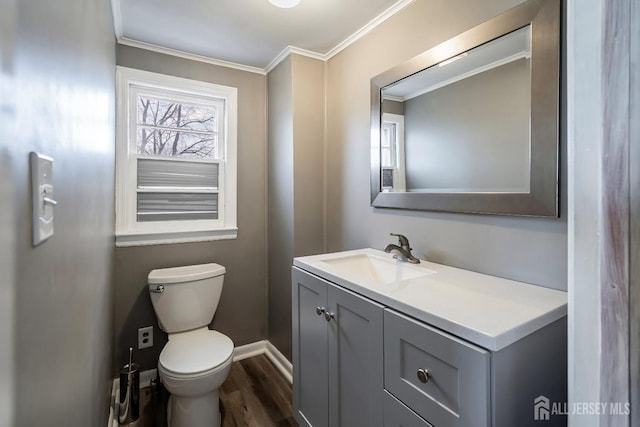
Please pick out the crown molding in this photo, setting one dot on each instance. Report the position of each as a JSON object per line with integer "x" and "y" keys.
{"x": 288, "y": 51}
{"x": 278, "y": 59}
{"x": 397, "y": 7}
{"x": 117, "y": 24}
{"x": 367, "y": 28}
{"x": 307, "y": 53}
{"x": 186, "y": 55}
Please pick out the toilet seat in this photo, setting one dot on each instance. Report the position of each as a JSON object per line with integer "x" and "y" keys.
{"x": 195, "y": 353}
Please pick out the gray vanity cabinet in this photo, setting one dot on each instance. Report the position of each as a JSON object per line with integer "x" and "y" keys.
{"x": 337, "y": 355}
{"x": 359, "y": 363}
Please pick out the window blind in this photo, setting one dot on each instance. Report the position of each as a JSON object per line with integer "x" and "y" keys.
{"x": 170, "y": 173}
{"x": 177, "y": 190}
{"x": 177, "y": 206}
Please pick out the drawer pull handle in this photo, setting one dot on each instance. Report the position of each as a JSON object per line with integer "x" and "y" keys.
{"x": 329, "y": 316}
{"x": 424, "y": 375}
{"x": 320, "y": 311}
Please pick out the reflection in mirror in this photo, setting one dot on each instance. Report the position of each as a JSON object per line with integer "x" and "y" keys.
{"x": 462, "y": 125}
{"x": 471, "y": 125}
{"x": 392, "y": 158}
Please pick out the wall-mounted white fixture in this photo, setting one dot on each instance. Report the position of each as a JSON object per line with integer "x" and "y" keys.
{"x": 42, "y": 196}
{"x": 284, "y": 3}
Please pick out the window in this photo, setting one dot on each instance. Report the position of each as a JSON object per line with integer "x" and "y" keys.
{"x": 388, "y": 145}
{"x": 392, "y": 158}
{"x": 175, "y": 160}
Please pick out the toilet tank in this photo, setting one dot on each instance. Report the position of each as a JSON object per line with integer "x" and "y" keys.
{"x": 189, "y": 296}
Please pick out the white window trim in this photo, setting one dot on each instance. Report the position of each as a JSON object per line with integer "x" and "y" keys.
{"x": 129, "y": 232}
{"x": 399, "y": 172}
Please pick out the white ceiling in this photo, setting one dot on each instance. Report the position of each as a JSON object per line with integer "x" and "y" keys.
{"x": 248, "y": 32}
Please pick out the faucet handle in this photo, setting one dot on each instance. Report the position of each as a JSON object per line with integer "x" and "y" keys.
{"x": 402, "y": 240}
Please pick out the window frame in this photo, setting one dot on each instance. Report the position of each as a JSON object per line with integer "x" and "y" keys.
{"x": 398, "y": 149}
{"x": 129, "y": 231}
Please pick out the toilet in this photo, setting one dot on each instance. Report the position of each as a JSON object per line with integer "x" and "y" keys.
{"x": 196, "y": 361}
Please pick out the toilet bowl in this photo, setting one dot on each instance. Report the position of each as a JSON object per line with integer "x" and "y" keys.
{"x": 196, "y": 361}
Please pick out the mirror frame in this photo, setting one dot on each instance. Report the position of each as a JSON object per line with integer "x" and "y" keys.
{"x": 542, "y": 199}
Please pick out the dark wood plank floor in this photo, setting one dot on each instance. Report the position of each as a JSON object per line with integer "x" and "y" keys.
{"x": 256, "y": 395}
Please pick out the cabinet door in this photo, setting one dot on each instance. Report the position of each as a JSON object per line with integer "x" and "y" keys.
{"x": 310, "y": 353}
{"x": 356, "y": 379}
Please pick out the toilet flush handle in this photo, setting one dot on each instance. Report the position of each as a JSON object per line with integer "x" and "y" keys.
{"x": 158, "y": 290}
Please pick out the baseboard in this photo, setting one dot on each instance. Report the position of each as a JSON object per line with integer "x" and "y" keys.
{"x": 282, "y": 363}
{"x": 242, "y": 352}
{"x": 265, "y": 347}
{"x": 249, "y": 350}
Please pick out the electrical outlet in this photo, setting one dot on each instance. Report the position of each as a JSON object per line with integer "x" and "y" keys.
{"x": 145, "y": 337}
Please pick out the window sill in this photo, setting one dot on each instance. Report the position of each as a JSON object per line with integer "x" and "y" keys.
{"x": 126, "y": 240}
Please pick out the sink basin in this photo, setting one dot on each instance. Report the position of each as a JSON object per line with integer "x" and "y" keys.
{"x": 376, "y": 269}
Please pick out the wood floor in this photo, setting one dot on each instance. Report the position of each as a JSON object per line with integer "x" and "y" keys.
{"x": 254, "y": 395}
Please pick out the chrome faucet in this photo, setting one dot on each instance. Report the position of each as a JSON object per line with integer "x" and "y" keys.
{"x": 403, "y": 251}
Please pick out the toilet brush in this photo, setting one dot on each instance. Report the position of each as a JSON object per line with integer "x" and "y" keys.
{"x": 129, "y": 408}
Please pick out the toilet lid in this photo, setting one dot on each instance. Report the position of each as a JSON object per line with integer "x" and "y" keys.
{"x": 195, "y": 351}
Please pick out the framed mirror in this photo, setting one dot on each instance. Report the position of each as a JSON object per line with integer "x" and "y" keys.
{"x": 471, "y": 125}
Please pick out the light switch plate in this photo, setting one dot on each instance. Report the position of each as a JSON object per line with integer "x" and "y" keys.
{"x": 42, "y": 196}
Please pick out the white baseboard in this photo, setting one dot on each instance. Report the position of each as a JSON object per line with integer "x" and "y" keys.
{"x": 269, "y": 350}
{"x": 239, "y": 353}
{"x": 249, "y": 350}
{"x": 282, "y": 363}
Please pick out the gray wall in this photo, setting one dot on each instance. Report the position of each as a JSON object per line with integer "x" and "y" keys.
{"x": 308, "y": 155}
{"x": 473, "y": 133}
{"x": 527, "y": 249}
{"x": 296, "y": 184}
{"x": 242, "y": 312}
{"x": 58, "y": 98}
{"x": 7, "y": 261}
{"x": 281, "y": 212}
{"x": 7, "y": 218}
{"x": 393, "y": 107}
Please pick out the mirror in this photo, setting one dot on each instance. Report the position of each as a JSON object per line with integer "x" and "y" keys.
{"x": 462, "y": 126}
{"x": 471, "y": 125}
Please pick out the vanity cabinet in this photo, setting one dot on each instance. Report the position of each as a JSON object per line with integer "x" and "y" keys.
{"x": 337, "y": 355}
{"x": 362, "y": 362}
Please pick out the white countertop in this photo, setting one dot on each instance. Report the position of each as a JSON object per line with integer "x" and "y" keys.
{"x": 485, "y": 310}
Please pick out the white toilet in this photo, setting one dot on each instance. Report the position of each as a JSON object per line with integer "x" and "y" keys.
{"x": 196, "y": 361}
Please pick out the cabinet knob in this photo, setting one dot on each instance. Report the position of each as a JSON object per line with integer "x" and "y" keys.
{"x": 319, "y": 311}
{"x": 329, "y": 316}
{"x": 424, "y": 375}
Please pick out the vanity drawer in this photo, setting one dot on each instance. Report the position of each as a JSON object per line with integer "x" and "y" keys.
{"x": 396, "y": 414}
{"x": 442, "y": 378}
